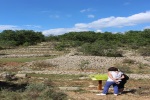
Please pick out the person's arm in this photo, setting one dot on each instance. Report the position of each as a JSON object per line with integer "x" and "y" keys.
{"x": 122, "y": 77}
{"x": 110, "y": 76}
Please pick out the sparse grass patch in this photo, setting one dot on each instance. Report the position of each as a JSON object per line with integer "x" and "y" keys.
{"x": 139, "y": 87}
{"x": 124, "y": 68}
{"x": 33, "y": 91}
{"x": 39, "y": 65}
{"x": 55, "y": 76}
{"x": 24, "y": 59}
{"x": 10, "y": 95}
{"x": 129, "y": 61}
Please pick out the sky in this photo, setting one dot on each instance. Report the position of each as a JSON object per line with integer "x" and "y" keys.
{"x": 57, "y": 17}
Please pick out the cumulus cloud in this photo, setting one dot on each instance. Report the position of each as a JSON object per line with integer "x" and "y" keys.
{"x": 120, "y": 21}
{"x": 60, "y": 31}
{"x": 99, "y": 24}
{"x": 8, "y": 27}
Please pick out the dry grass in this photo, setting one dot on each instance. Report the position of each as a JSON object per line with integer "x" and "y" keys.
{"x": 67, "y": 70}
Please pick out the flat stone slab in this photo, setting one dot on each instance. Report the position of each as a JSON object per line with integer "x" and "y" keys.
{"x": 69, "y": 88}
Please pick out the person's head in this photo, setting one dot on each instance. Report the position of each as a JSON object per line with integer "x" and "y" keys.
{"x": 112, "y": 69}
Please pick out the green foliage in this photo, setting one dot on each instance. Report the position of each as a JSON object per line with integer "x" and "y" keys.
{"x": 7, "y": 44}
{"x": 9, "y": 38}
{"x": 100, "y": 48}
{"x": 79, "y": 36}
{"x": 51, "y": 38}
{"x": 91, "y": 43}
{"x": 106, "y": 44}
{"x": 33, "y": 91}
{"x": 61, "y": 46}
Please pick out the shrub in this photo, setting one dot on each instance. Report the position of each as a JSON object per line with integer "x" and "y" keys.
{"x": 42, "y": 64}
{"x": 129, "y": 61}
{"x": 101, "y": 48}
{"x": 10, "y": 95}
{"x": 43, "y": 92}
{"x": 124, "y": 69}
{"x": 83, "y": 65}
{"x": 145, "y": 51}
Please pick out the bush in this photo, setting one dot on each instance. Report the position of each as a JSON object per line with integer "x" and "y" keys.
{"x": 129, "y": 61}
{"x": 83, "y": 65}
{"x": 43, "y": 92}
{"x": 101, "y": 48}
{"x": 145, "y": 51}
{"x": 42, "y": 64}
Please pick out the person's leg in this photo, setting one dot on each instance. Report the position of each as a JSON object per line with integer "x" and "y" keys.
{"x": 121, "y": 86}
{"x": 121, "y": 90}
{"x": 106, "y": 87}
{"x": 115, "y": 87}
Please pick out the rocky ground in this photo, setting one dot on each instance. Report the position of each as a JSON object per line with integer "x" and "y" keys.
{"x": 75, "y": 63}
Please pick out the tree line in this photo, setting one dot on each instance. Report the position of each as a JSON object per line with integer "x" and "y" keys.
{"x": 104, "y": 44}
{"x": 88, "y": 42}
{"x": 11, "y": 38}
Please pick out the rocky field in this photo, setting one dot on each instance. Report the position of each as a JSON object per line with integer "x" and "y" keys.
{"x": 72, "y": 62}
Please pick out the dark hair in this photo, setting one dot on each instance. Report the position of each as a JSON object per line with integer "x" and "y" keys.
{"x": 112, "y": 69}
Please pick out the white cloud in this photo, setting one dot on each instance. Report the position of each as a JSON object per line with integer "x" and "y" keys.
{"x": 96, "y": 25}
{"x": 8, "y": 27}
{"x": 13, "y": 27}
{"x": 91, "y": 16}
{"x": 147, "y": 27}
{"x": 98, "y": 31}
{"x": 118, "y": 21}
{"x": 99, "y": 24}
{"x": 60, "y": 31}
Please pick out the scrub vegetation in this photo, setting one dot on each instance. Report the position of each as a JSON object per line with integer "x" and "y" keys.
{"x": 59, "y": 67}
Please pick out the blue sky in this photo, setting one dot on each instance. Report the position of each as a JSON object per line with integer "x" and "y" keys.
{"x": 62, "y": 16}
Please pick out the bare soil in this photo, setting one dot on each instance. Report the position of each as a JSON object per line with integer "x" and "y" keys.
{"x": 137, "y": 87}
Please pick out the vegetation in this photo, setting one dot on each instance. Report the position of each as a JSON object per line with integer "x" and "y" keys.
{"x": 10, "y": 38}
{"x": 104, "y": 44}
{"x": 37, "y": 87}
{"x": 90, "y": 43}
{"x": 32, "y": 91}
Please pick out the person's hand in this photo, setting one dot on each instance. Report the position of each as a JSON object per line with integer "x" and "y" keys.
{"x": 118, "y": 82}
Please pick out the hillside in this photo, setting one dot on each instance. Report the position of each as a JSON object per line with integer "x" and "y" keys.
{"x": 71, "y": 62}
